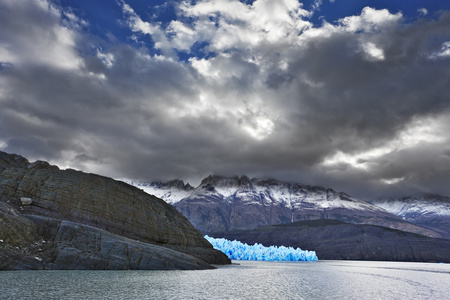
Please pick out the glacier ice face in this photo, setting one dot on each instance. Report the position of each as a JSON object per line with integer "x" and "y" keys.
{"x": 240, "y": 251}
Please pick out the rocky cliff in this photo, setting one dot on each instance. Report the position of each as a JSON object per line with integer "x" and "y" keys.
{"x": 66, "y": 219}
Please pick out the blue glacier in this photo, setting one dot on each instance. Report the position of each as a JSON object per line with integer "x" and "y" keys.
{"x": 240, "y": 251}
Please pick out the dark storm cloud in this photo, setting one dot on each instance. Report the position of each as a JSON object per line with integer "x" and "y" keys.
{"x": 370, "y": 101}
{"x": 267, "y": 103}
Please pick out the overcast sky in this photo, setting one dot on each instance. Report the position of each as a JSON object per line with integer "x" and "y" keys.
{"x": 350, "y": 96}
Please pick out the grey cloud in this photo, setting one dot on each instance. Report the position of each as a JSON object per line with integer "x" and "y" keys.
{"x": 369, "y": 100}
{"x": 148, "y": 118}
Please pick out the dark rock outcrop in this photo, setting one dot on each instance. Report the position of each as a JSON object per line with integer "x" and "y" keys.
{"x": 333, "y": 239}
{"x": 85, "y": 221}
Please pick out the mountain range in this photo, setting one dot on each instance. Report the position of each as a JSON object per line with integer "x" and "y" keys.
{"x": 243, "y": 203}
{"x": 245, "y": 208}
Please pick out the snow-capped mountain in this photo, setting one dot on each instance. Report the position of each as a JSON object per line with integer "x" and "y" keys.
{"x": 430, "y": 210}
{"x": 171, "y": 191}
{"x": 235, "y": 203}
{"x": 270, "y": 192}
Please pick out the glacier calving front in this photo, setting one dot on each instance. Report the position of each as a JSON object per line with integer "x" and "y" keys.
{"x": 240, "y": 251}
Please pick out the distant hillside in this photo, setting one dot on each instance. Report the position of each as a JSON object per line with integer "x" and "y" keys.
{"x": 332, "y": 239}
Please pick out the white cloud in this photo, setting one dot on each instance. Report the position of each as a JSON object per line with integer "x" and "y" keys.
{"x": 422, "y": 11}
{"x": 373, "y": 52}
{"x": 371, "y": 20}
{"x": 369, "y": 28}
{"x": 316, "y": 5}
{"x": 418, "y": 132}
{"x": 231, "y": 24}
{"x": 184, "y": 37}
{"x": 106, "y": 58}
{"x": 51, "y": 43}
{"x": 228, "y": 8}
{"x": 136, "y": 24}
{"x": 257, "y": 124}
{"x": 3, "y": 145}
{"x": 264, "y": 29}
{"x": 203, "y": 66}
{"x": 444, "y": 52}
{"x": 260, "y": 128}
{"x": 393, "y": 180}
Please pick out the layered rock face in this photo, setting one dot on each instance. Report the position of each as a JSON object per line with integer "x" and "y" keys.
{"x": 66, "y": 219}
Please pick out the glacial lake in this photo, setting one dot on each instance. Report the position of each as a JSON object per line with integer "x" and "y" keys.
{"x": 248, "y": 280}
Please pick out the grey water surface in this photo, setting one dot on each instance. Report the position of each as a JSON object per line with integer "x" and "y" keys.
{"x": 242, "y": 280}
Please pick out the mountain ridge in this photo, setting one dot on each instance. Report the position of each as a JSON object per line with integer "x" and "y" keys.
{"x": 426, "y": 210}
{"x": 221, "y": 203}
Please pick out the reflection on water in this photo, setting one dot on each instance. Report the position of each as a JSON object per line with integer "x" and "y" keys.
{"x": 248, "y": 280}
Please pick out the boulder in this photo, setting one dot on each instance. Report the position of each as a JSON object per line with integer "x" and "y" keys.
{"x": 26, "y": 201}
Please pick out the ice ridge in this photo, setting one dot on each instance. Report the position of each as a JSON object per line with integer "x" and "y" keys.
{"x": 236, "y": 250}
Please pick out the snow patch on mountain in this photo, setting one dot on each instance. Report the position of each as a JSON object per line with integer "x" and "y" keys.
{"x": 171, "y": 191}
{"x": 264, "y": 192}
{"x": 416, "y": 208}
